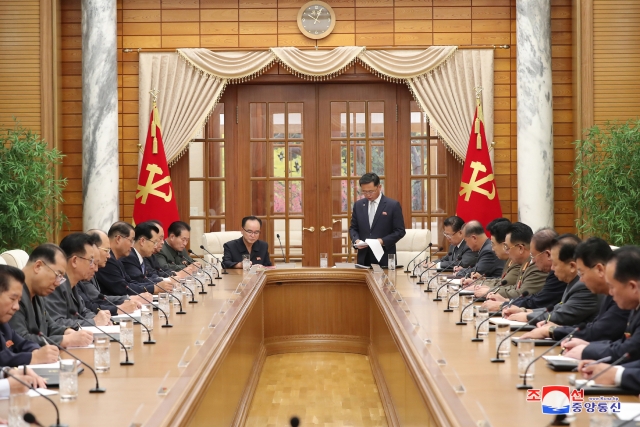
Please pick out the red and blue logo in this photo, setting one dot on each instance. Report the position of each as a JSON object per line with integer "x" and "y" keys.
{"x": 556, "y": 399}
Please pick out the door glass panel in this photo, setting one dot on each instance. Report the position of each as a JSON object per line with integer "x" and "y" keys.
{"x": 377, "y": 158}
{"x": 215, "y": 126}
{"x": 276, "y": 120}
{"x": 357, "y": 123}
{"x": 338, "y": 119}
{"x": 216, "y": 159}
{"x": 417, "y": 191}
{"x": 296, "y": 118}
{"x": 279, "y": 159}
{"x": 295, "y": 159}
{"x": 279, "y": 197}
{"x": 196, "y": 159}
{"x": 338, "y": 158}
{"x": 196, "y": 198}
{"x": 339, "y": 197}
{"x": 438, "y": 195}
{"x": 216, "y": 198}
{"x": 295, "y": 197}
{"x": 376, "y": 119}
{"x": 258, "y": 120}
{"x": 295, "y": 239}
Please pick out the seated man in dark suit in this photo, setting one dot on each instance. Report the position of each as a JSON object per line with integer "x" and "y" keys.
{"x": 145, "y": 241}
{"x": 247, "y": 244}
{"x": 510, "y": 272}
{"x": 15, "y": 350}
{"x": 592, "y": 256}
{"x": 375, "y": 217}
{"x": 487, "y": 264}
{"x": 623, "y": 277}
{"x": 113, "y": 279}
{"x": 459, "y": 254}
{"x": 44, "y": 272}
{"x": 173, "y": 255}
{"x": 152, "y": 265}
{"x": 578, "y": 303}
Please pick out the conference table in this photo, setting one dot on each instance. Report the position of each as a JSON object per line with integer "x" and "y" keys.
{"x": 204, "y": 370}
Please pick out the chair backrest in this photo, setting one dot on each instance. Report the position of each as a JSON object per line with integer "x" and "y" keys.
{"x": 214, "y": 242}
{"x": 2, "y": 261}
{"x": 16, "y": 257}
{"x": 411, "y": 244}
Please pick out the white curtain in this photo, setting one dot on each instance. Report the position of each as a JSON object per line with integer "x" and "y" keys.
{"x": 441, "y": 78}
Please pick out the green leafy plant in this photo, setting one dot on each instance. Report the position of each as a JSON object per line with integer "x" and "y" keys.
{"x": 29, "y": 189}
{"x": 607, "y": 182}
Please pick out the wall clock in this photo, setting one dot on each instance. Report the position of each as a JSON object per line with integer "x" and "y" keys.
{"x": 316, "y": 19}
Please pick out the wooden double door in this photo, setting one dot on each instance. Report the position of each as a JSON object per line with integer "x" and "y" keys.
{"x": 300, "y": 152}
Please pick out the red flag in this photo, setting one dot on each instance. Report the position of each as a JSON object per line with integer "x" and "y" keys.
{"x": 155, "y": 198}
{"x": 478, "y": 197}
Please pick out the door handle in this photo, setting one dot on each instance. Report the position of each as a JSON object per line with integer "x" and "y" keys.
{"x": 323, "y": 228}
{"x": 336, "y": 220}
{"x": 311, "y": 229}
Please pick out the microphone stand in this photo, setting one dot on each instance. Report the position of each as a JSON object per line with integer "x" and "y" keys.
{"x": 193, "y": 297}
{"x": 489, "y": 316}
{"x": 224, "y": 270}
{"x": 97, "y": 388}
{"x": 281, "y": 248}
{"x": 420, "y": 282}
{"x": 616, "y": 363}
{"x": 524, "y": 385}
{"x": 166, "y": 318}
{"x": 149, "y": 340}
{"x": 437, "y": 298}
{"x": 172, "y": 296}
{"x": 473, "y": 302}
{"x": 498, "y": 359}
{"x": 208, "y": 263}
{"x": 201, "y": 286}
{"x": 6, "y": 370}
{"x": 126, "y": 353}
{"x": 413, "y": 273}
{"x": 462, "y": 288}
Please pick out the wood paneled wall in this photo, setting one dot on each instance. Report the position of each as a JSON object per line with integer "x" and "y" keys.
{"x": 168, "y": 24}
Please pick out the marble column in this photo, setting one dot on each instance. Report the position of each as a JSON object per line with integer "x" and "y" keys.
{"x": 99, "y": 114}
{"x": 535, "y": 113}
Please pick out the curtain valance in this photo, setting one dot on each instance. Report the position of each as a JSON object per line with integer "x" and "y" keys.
{"x": 441, "y": 78}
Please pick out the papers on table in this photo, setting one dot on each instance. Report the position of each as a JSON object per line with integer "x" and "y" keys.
{"x": 628, "y": 411}
{"x": 136, "y": 315}
{"x": 376, "y": 248}
{"x": 110, "y": 329}
{"x": 501, "y": 321}
{"x": 563, "y": 359}
{"x": 32, "y": 393}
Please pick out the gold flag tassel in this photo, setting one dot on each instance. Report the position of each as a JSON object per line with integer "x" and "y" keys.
{"x": 155, "y": 123}
{"x": 479, "y": 118}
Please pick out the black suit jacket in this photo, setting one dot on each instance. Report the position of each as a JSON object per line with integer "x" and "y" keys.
{"x": 629, "y": 342}
{"x": 578, "y": 304}
{"x": 114, "y": 280}
{"x": 451, "y": 259}
{"x": 14, "y": 350}
{"x": 631, "y": 377}
{"x": 89, "y": 292}
{"x": 152, "y": 267}
{"x": 64, "y": 303}
{"x": 487, "y": 264}
{"x": 609, "y": 325}
{"x": 551, "y": 294}
{"x": 388, "y": 225}
{"x": 234, "y": 249}
{"x": 133, "y": 268}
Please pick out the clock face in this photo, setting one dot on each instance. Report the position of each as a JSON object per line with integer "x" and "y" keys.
{"x": 316, "y": 20}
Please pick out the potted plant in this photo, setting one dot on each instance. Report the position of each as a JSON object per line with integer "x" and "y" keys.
{"x": 607, "y": 182}
{"x": 29, "y": 189}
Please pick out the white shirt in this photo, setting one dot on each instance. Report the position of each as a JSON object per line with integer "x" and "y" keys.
{"x": 5, "y": 388}
{"x": 457, "y": 247}
{"x": 377, "y": 203}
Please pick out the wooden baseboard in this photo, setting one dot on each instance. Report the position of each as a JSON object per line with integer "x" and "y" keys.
{"x": 252, "y": 384}
{"x": 314, "y": 343}
{"x": 383, "y": 390}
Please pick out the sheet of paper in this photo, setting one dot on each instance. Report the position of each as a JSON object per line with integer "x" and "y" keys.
{"x": 376, "y": 248}
{"x": 361, "y": 245}
{"x": 502, "y": 321}
{"x": 31, "y": 393}
{"x": 560, "y": 359}
{"x": 136, "y": 315}
{"x": 628, "y": 411}
{"x": 111, "y": 329}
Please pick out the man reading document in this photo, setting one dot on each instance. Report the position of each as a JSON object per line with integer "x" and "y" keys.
{"x": 375, "y": 216}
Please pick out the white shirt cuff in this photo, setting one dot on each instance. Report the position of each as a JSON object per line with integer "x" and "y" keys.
{"x": 618, "y": 379}
{"x": 5, "y": 389}
{"x": 438, "y": 265}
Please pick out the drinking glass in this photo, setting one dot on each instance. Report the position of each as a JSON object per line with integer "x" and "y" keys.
{"x": 246, "y": 262}
{"x": 68, "y": 380}
{"x": 189, "y": 284}
{"x": 392, "y": 262}
{"x": 177, "y": 293}
{"x": 126, "y": 333}
{"x": 163, "y": 304}
{"x": 502, "y": 331}
{"x": 324, "y": 260}
{"x": 146, "y": 316}
{"x": 454, "y": 296}
{"x": 442, "y": 288}
{"x": 483, "y": 314}
{"x": 101, "y": 353}
{"x": 19, "y": 404}
{"x": 467, "y": 313}
{"x": 525, "y": 356}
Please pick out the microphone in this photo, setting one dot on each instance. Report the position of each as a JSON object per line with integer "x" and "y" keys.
{"x": 413, "y": 275}
{"x": 420, "y": 282}
{"x": 477, "y": 338}
{"x": 208, "y": 263}
{"x": 504, "y": 282}
{"x": 201, "y": 287}
{"x": 172, "y": 296}
{"x": 462, "y": 288}
{"x": 6, "y": 370}
{"x": 97, "y": 388}
{"x": 166, "y": 318}
{"x": 498, "y": 359}
{"x": 294, "y": 422}
{"x": 193, "y": 297}
{"x": 224, "y": 270}
{"x": 29, "y": 418}
{"x": 281, "y": 249}
{"x": 149, "y": 340}
{"x": 126, "y": 353}
{"x": 624, "y": 357}
{"x": 437, "y": 298}
{"x": 524, "y": 385}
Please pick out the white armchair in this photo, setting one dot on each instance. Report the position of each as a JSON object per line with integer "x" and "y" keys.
{"x": 214, "y": 242}
{"x": 411, "y": 244}
{"x": 16, "y": 257}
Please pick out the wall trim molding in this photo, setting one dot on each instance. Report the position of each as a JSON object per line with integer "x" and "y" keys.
{"x": 317, "y": 343}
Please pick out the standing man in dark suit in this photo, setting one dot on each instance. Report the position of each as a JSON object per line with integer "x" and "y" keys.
{"x": 375, "y": 217}
{"x": 487, "y": 264}
{"x": 247, "y": 244}
{"x": 459, "y": 253}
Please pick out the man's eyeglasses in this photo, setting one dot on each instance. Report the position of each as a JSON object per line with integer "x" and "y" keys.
{"x": 507, "y": 248}
{"x": 126, "y": 238}
{"x": 369, "y": 192}
{"x": 91, "y": 260}
{"x": 251, "y": 232}
{"x": 60, "y": 279}
{"x": 106, "y": 251}
{"x": 155, "y": 242}
{"x": 449, "y": 236}
{"x": 533, "y": 258}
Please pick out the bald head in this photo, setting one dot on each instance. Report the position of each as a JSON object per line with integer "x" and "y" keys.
{"x": 474, "y": 235}
{"x": 103, "y": 244}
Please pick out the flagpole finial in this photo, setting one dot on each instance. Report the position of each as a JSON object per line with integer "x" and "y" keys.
{"x": 478, "y": 91}
{"x": 154, "y": 94}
